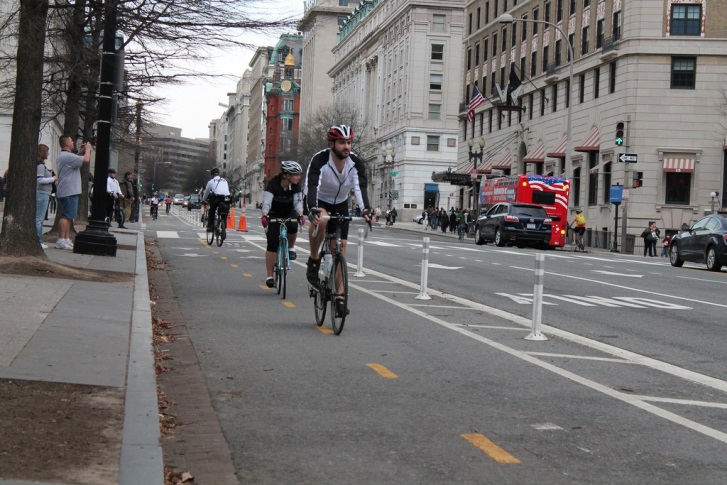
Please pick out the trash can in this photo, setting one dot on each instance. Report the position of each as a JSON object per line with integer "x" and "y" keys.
{"x": 629, "y": 243}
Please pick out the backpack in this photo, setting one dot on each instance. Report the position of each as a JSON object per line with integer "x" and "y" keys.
{"x": 580, "y": 219}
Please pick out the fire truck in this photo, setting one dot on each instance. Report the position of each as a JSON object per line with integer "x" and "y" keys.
{"x": 551, "y": 193}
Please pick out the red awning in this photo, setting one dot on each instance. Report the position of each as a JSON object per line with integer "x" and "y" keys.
{"x": 684, "y": 165}
{"x": 486, "y": 165}
{"x": 471, "y": 166}
{"x": 559, "y": 150}
{"x": 537, "y": 154}
{"x": 591, "y": 143}
{"x": 503, "y": 161}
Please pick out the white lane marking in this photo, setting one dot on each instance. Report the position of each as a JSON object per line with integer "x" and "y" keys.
{"x": 687, "y": 402}
{"x": 581, "y": 357}
{"x": 701, "y": 279}
{"x": 629, "y": 288}
{"x": 611, "y": 273}
{"x": 439, "y": 266}
{"x": 193, "y": 255}
{"x": 168, "y": 234}
{"x": 383, "y": 244}
{"x": 493, "y": 327}
{"x": 547, "y": 427}
{"x": 626, "y": 398}
{"x": 569, "y": 300}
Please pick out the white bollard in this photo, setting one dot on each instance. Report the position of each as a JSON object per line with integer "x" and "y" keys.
{"x": 538, "y": 299}
{"x": 359, "y": 268}
{"x": 425, "y": 271}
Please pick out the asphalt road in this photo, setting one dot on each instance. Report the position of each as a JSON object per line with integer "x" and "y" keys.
{"x": 627, "y": 389}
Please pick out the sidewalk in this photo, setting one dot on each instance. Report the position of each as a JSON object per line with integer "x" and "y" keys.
{"x": 65, "y": 334}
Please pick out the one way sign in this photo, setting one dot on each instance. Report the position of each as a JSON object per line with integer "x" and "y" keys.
{"x": 628, "y": 158}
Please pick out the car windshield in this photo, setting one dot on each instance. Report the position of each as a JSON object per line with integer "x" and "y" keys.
{"x": 529, "y": 211}
{"x": 179, "y": 196}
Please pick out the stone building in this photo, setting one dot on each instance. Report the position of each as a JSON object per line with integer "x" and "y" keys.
{"x": 400, "y": 63}
{"x": 655, "y": 68}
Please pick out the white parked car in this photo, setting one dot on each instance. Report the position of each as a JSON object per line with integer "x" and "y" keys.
{"x": 419, "y": 219}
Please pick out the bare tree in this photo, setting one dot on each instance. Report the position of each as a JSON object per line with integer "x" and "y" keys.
{"x": 18, "y": 236}
{"x": 312, "y": 137}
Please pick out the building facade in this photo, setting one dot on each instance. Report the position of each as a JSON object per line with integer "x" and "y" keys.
{"x": 260, "y": 72}
{"x": 319, "y": 25}
{"x": 654, "y": 69}
{"x": 168, "y": 158}
{"x": 400, "y": 63}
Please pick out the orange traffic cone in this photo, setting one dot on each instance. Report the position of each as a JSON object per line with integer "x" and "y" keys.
{"x": 231, "y": 218}
{"x": 243, "y": 221}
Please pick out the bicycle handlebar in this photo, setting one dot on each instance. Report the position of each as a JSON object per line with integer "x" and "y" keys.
{"x": 341, "y": 218}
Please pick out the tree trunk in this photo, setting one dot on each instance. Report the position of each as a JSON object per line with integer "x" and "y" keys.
{"x": 18, "y": 237}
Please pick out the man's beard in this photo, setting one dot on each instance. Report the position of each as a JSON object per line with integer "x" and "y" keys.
{"x": 339, "y": 154}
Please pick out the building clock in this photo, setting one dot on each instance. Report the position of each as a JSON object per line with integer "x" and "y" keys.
{"x": 286, "y": 86}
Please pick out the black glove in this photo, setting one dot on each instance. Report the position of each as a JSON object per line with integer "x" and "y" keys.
{"x": 313, "y": 214}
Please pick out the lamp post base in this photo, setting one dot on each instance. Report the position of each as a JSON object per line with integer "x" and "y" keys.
{"x": 95, "y": 240}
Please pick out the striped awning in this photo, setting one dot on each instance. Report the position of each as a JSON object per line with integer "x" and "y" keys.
{"x": 503, "y": 161}
{"x": 591, "y": 143}
{"x": 486, "y": 165}
{"x": 471, "y": 166}
{"x": 559, "y": 150}
{"x": 679, "y": 165}
{"x": 537, "y": 154}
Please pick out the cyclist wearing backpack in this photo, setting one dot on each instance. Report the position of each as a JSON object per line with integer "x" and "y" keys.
{"x": 580, "y": 222}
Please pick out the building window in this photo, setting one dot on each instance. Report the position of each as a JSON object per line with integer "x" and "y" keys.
{"x": 607, "y": 183}
{"x": 567, "y": 93}
{"x": 482, "y": 124}
{"x": 576, "y": 189}
{"x": 533, "y": 63}
{"x": 485, "y": 50}
{"x": 612, "y": 78}
{"x": 592, "y": 178}
{"x": 489, "y": 114}
{"x": 584, "y": 41}
{"x": 555, "y": 97}
{"x": 616, "y": 26}
{"x": 542, "y": 103}
{"x": 530, "y": 106}
{"x": 545, "y": 58}
{"x": 437, "y": 52}
{"x": 599, "y": 33}
{"x": 525, "y": 28}
{"x": 522, "y": 66}
{"x": 571, "y": 43}
{"x": 288, "y": 105}
{"x": 343, "y": 3}
{"x": 496, "y": 8}
{"x": 477, "y": 54}
{"x": 479, "y": 17}
{"x": 546, "y": 8}
{"x": 586, "y": 3}
{"x": 435, "y": 111}
{"x": 514, "y": 35}
{"x": 432, "y": 143}
{"x": 559, "y": 11}
{"x": 536, "y": 15}
{"x": 678, "y": 188}
{"x": 686, "y": 19}
{"x": 469, "y": 58}
{"x": 558, "y": 50}
{"x": 596, "y": 82}
{"x": 572, "y": 9}
{"x": 494, "y": 45}
{"x": 341, "y": 21}
{"x": 484, "y": 86}
{"x": 469, "y": 24}
{"x": 287, "y": 124}
{"x": 487, "y": 13}
{"x": 439, "y": 22}
{"x": 435, "y": 82}
{"x": 683, "y": 72}
{"x": 581, "y": 88}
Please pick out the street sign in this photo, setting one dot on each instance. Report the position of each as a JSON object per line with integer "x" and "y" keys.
{"x": 626, "y": 194}
{"x": 628, "y": 158}
{"x": 616, "y": 194}
{"x": 142, "y": 170}
{"x": 393, "y": 174}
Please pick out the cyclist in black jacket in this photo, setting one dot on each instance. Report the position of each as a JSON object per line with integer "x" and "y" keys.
{"x": 283, "y": 198}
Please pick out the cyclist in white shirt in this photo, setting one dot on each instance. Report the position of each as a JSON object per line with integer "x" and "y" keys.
{"x": 113, "y": 189}
{"x": 218, "y": 192}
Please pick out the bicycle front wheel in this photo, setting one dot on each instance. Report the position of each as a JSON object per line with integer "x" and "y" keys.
{"x": 120, "y": 217}
{"x": 211, "y": 235}
{"x": 339, "y": 300}
{"x": 284, "y": 267}
{"x": 220, "y": 232}
{"x": 319, "y": 303}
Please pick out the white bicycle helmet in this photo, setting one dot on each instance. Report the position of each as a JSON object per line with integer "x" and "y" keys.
{"x": 291, "y": 167}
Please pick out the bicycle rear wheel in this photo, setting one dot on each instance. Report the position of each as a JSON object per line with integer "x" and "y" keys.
{"x": 211, "y": 235}
{"x": 319, "y": 302}
{"x": 339, "y": 301}
{"x": 120, "y": 218}
{"x": 284, "y": 267}
{"x": 220, "y": 232}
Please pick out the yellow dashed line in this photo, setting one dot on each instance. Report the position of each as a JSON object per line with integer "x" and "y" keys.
{"x": 383, "y": 371}
{"x": 215, "y": 252}
{"x": 204, "y": 243}
{"x": 265, "y": 287}
{"x": 222, "y": 257}
{"x": 289, "y": 304}
{"x": 247, "y": 275}
{"x": 325, "y": 330}
{"x": 492, "y": 450}
{"x": 234, "y": 266}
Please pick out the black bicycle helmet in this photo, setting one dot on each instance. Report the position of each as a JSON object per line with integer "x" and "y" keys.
{"x": 215, "y": 171}
{"x": 340, "y": 132}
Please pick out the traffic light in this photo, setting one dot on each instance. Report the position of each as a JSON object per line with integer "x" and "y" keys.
{"x": 638, "y": 179}
{"x": 620, "y": 133}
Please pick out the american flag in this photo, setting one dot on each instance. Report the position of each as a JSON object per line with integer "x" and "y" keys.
{"x": 477, "y": 101}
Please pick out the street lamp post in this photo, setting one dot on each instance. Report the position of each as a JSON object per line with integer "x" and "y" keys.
{"x": 389, "y": 154}
{"x": 154, "y": 176}
{"x": 506, "y": 18}
{"x": 474, "y": 157}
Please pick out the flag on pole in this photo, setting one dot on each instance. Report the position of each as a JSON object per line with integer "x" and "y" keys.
{"x": 514, "y": 86}
{"x": 476, "y": 101}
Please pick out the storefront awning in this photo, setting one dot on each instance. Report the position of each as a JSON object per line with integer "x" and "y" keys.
{"x": 537, "y": 154}
{"x": 559, "y": 150}
{"x": 684, "y": 165}
{"x": 503, "y": 161}
{"x": 591, "y": 143}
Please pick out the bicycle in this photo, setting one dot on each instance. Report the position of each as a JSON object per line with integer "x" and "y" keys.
{"x": 461, "y": 231}
{"x": 154, "y": 212}
{"x": 580, "y": 244}
{"x": 219, "y": 226}
{"x": 117, "y": 214}
{"x": 282, "y": 261}
{"x": 333, "y": 286}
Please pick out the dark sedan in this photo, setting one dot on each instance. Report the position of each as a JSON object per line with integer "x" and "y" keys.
{"x": 516, "y": 224}
{"x": 192, "y": 202}
{"x": 704, "y": 242}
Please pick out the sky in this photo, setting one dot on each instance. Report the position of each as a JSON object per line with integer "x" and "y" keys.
{"x": 193, "y": 105}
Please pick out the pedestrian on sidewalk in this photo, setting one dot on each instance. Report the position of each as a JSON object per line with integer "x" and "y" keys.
{"x": 665, "y": 246}
{"x": 452, "y": 220}
{"x": 393, "y": 215}
{"x": 127, "y": 191}
{"x": 69, "y": 186}
{"x": 444, "y": 220}
{"x": 650, "y": 235}
{"x": 113, "y": 189}
{"x": 44, "y": 180}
